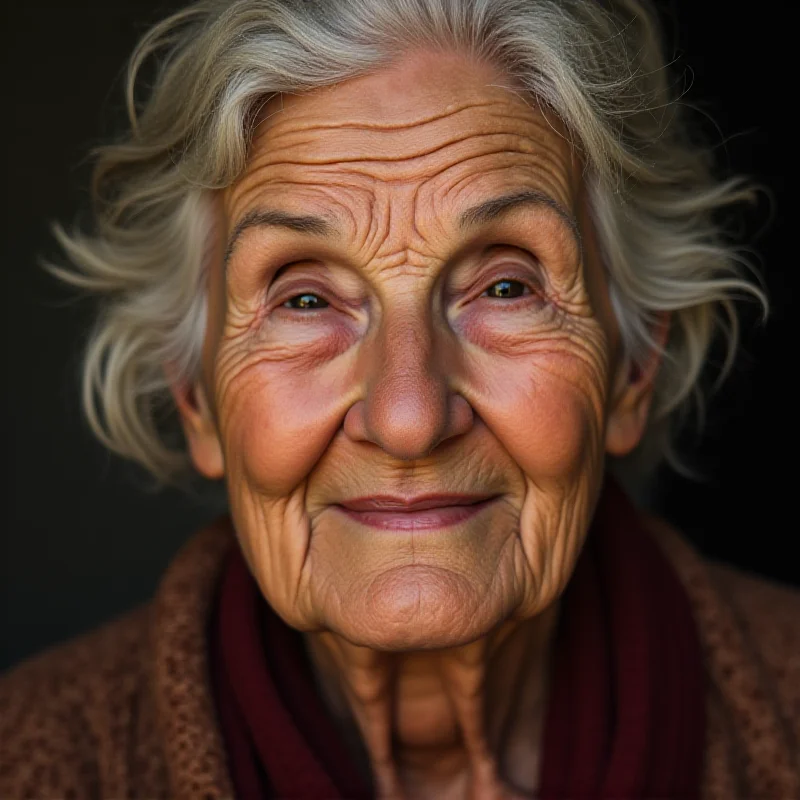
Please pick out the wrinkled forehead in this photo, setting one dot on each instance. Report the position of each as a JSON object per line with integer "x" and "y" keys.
{"x": 438, "y": 124}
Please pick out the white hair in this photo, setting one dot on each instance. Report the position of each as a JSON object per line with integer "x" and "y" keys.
{"x": 653, "y": 195}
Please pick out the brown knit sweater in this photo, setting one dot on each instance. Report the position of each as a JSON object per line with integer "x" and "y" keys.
{"x": 127, "y": 711}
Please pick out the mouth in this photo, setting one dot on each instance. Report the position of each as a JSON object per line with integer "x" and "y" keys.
{"x": 425, "y": 512}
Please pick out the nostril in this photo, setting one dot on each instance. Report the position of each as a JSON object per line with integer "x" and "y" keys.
{"x": 354, "y": 425}
{"x": 461, "y": 416}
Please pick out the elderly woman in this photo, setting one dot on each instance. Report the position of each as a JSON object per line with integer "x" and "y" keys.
{"x": 417, "y": 276}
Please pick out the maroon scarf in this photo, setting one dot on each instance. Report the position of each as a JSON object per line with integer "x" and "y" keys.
{"x": 625, "y": 715}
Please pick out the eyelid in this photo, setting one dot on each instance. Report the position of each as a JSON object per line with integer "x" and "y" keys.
{"x": 335, "y": 302}
{"x": 291, "y": 287}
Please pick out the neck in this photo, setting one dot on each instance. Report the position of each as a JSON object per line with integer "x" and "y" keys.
{"x": 461, "y": 722}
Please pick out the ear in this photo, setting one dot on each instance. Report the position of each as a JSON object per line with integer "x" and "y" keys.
{"x": 633, "y": 393}
{"x": 199, "y": 427}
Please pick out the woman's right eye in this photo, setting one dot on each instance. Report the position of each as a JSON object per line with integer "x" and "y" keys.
{"x": 506, "y": 288}
{"x": 306, "y": 302}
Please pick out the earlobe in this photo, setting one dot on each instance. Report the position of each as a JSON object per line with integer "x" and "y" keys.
{"x": 633, "y": 395}
{"x": 199, "y": 428}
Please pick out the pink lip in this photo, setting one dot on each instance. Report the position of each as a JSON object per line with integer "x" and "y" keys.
{"x": 426, "y": 512}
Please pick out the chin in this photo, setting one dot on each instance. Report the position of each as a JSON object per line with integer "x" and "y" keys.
{"x": 419, "y": 608}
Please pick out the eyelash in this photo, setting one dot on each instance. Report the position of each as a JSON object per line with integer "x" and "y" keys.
{"x": 513, "y": 280}
{"x": 285, "y": 304}
{"x": 532, "y": 292}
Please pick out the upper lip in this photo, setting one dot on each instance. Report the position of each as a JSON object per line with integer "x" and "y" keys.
{"x": 385, "y": 502}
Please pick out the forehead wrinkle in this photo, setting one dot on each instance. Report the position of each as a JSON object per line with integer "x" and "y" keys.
{"x": 368, "y": 123}
{"x": 517, "y": 143}
{"x": 363, "y": 207}
{"x": 415, "y": 228}
{"x": 387, "y": 243}
{"x": 380, "y": 224}
{"x": 405, "y": 171}
{"x": 455, "y": 141}
{"x": 323, "y": 150}
{"x": 526, "y": 116}
{"x": 346, "y": 201}
{"x": 531, "y": 140}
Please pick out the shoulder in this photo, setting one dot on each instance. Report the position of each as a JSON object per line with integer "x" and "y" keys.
{"x": 770, "y": 604}
{"x": 749, "y": 631}
{"x": 66, "y": 714}
{"x": 766, "y": 605}
{"x": 755, "y": 665}
{"x": 122, "y": 710}
{"x": 764, "y": 612}
{"x": 767, "y": 612}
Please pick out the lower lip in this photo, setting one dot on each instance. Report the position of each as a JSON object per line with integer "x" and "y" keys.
{"x": 427, "y": 520}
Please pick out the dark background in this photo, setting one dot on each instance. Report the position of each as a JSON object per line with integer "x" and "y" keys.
{"x": 82, "y": 537}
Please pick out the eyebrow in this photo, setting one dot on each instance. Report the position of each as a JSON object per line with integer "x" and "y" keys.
{"x": 307, "y": 224}
{"x": 487, "y": 211}
{"x": 498, "y": 207}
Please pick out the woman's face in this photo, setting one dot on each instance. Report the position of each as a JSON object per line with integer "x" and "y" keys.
{"x": 412, "y": 306}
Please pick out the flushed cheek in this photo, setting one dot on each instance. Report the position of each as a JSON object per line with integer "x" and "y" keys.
{"x": 281, "y": 418}
{"x": 551, "y": 425}
{"x": 539, "y": 412}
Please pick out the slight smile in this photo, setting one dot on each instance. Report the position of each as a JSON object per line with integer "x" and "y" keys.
{"x": 426, "y": 512}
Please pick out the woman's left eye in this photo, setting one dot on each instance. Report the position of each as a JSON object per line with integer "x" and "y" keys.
{"x": 506, "y": 288}
{"x": 306, "y": 302}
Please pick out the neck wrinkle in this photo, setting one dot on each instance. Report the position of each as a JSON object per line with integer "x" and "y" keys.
{"x": 461, "y": 722}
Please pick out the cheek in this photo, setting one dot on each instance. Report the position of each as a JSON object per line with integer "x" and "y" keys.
{"x": 279, "y": 420}
{"x": 544, "y": 408}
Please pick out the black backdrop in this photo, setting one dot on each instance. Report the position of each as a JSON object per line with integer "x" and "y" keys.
{"x": 83, "y": 540}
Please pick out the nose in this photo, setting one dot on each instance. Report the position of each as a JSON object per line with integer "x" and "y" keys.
{"x": 409, "y": 407}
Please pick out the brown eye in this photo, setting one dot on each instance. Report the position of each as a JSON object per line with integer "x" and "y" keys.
{"x": 306, "y": 302}
{"x": 506, "y": 289}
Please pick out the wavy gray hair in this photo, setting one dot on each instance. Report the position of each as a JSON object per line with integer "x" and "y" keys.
{"x": 600, "y": 67}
